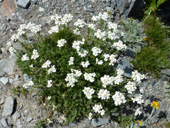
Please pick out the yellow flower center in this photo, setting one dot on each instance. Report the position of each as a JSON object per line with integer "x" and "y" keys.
{"x": 155, "y": 104}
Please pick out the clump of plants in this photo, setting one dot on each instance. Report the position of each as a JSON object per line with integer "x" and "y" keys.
{"x": 76, "y": 74}
{"x": 156, "y": 55}
{"x": 134, "y": 32}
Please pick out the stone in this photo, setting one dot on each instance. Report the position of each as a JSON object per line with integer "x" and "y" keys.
{"x": 129, "y": 52}
{"x": 4, "y": 123}
{"x": 16, "y": 115}
{"x": 2, "y": 73}
{"x": 8, "y": 106}
{"x": 125, "y": 65}
{"x": 26, "y": 78}
{"x": 73, "y": 125}
{"x": 166, "y": 72}
{"x": 23, "y": 3}
{"x": 99, "y": 121}
{"x": 4, "y": 80}
{"x": 29, "y": 119}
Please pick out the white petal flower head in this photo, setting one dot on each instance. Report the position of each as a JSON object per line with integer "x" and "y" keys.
{"x": 104, "y": 16}
{"x": 97, "y": 108}
{"x": 113, "y": 26}
{"x": 95, "y": 18}
{"x": 99, "y": 34}
{"x": 85, "y": 64}
{"x": 25, "y": 57}
{"x": 136, "y": 76}
{"x": 118, "y": 79}
{"x": 31, "y": 66}
{"x": 130, "y": 86}
{"x": 107, "y": 80}
{"x": 91, "y": 26}
{"x": 61, "y": 42}
{"x": 96, "y": 51}
{"x": 90, "y": 116}
{"x": 82, "y": 53}
{"x": 80, "y": 23}
{"x": 35, "y": 54}
{"x": 49, "y": 83}
{"x": 118, "y": 98}
{"x": 77, "y": 73}
{"x": 120, "y": 72}
{"x": 138, "y": 112}
{"x": 49, "y": 97}
{"x": 119, "y": 45}
{"x": 99, "y": 62}
{"x": 102, "y": 112}
{"x": 138, "y": 99}
{"x": 106, "y": 57}
{"x": 89, "y": 77}
{"x": 46, "y": 64}
{"x": 15, "y": 37}
{"x": 88, "y": 92}
{"x": 76, "y": 31}
{"x": 11, "y": 50}
{"x": 52, "y": 69}
{"x": 9, "y": 44}
{"x": 54, "y": 29}
{"x": 103, "y": 94}
{"x": 71, "y": 61}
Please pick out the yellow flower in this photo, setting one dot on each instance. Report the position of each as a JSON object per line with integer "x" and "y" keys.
{"x": 131, "y": 18}
{"x": 139, "y": 122}
{"x": 121, "y": 21}
{"x": 144, "y": 39}
{"x": 155, "y": 104}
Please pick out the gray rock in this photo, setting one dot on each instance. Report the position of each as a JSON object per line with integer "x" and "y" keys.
{"x": 8, "y": 106}
{"x": 73, "y": 125}
{"x": 23, "y": 3}
{"x": 29, "y": 119}
{"x": 166, "y": 72}
{"x": 99, "y": 121}
{"x": 147, "y": 102}
{"x": 130, "y": 52}
{"x": 2, "y": 73}
{"x": 125, "y": 65}
{"x": 4, "y": 123}
{"x": 26, "y": 78}
{"x": 4, "y": 80}
{"x": 16, "y": 116}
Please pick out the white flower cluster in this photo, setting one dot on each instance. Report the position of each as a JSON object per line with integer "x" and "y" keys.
{"x": 113, "y": 60}
{"x": 76, "y": 31}
{"x": 71, "y": 77}
{"x": 25, "y": 57}
{"x": 15, "y": 37}
{"x": 49, "y": 83}
{"x": 46, "y": 64}
{"x": 100, "y": 35}
{"x": 35, "y": 54}
{"x": 113, "y": 26}
{"x": 71, "y": 61}
{"x": 112, "y": 35}
{"x": 80, "y": 23}
{"x": 85, "y": 64}
{"x": 96, "y": 51}
{"x": 130, "y": 86}
{"x": 104, "y": 16}
{"x": 99, "y": 62}
{"x": 76, "y": 44}
{"x": 118, "y": 98}
{"x": 27, "y": 85}
{"x": 119, "y": 45}
{"x": 107, "y": 80}
{"x": 119, "y": 78}
{"x": 138, "y": 112}
{"x": 52, "y": 69}
{"x": 98, "y": 109}
{"x": 88, "y": 92}
{"x": 106, "y": 57}
{"x": 138, "y": 99}
{"x": 90, "y": 116}
{"x": 82, "y": 53}
{"x": 136, "y": 76}
{"x": 61, "y": 42}
{"x": 66, "y": 18}
{"x": 54, "y": 29}
{"x": 89, "y": 76}
{"x": 103, "y": 94}
{"x": 91, "y": 26}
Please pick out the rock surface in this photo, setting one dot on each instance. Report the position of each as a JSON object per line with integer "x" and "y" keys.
{"x": 8, "y": 106}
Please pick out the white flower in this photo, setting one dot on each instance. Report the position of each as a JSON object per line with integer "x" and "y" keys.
{"x": 90, "y": 116}
{"x": 27, "y": 85}
{"x": 138, "y": 112}
{"x": 136, "y": 76}
{"x": 61, "y": 42}
{"x": 107, "y": 80}
{"x": 88, "y": 92}
{"x": 76, "y": 44}
{"x": 80, "y": 23}
{"x": 112, "y": 35}
{"x": 49, "y": 83}
{"x": 55, "y": 17}
{"x": 49, "y": 97}
{"x": 71, "y": 61}
{"x": 104, "y": 16}
{"x": 54, "y": 29}
{"x": 91, "y": 26}
{"x": 113, "y": 60}
{"x": 52, "y": 69}
{"x": 130, "y": 86}
{"x": 20, "y": 32}
{"x": 9, "y": 44}
{"x": 120, "y": 72}
{"x": 46, "y": 64}
{"x": 49, "y": 121}
{"x": 85, "y": 64}
{"x": 118, "y": 79}
{"x": 11, "y": 50}
{"x": 15, "y": 37}
{"x": 118, "y": 98}
{"x": 102, "y": 112}
{"x": 99, "y": 62}
{"x": 82, "y": 53}
{"x": 66, "y": 18}
{"x": 89, "y": 76}
{"x": 112, "y": 25}
{"x": 103, "y": 94}
{"x": 76, "y": 31}
{"x": 95, "y": 18}
{"x": 35, "y": 54}
{"x": 99, "y": 34}
{"x": 96, "y": 51}
{"x": 138, "y": 99}
{"x": 97, "y": 108}
{"x": 106, "y": 57}
{"x": 119, "y": 45}
{"x": 77, "y": 73}
{"x": 31, "y": 66}
{"x": 25, "y": 57}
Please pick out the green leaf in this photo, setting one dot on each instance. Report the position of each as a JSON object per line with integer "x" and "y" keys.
{"x": 160, "y": 2}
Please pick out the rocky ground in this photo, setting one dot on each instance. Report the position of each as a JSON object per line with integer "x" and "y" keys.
{"x": 23, "y": 112}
